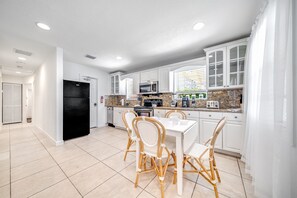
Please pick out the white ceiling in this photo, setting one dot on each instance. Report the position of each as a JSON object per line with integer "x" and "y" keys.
{"x": 145, "y": 33}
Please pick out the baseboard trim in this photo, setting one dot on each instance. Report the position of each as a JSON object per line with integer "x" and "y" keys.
{"x": 57, "y": 143}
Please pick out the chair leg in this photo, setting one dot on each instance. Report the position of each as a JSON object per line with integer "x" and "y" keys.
{"x": 139, "y": 168}
{"x": 216, "y": 190}
{"x": 162, "y": 188}
{"x": 127, "y": 148}
{"x": 217, "y": 172}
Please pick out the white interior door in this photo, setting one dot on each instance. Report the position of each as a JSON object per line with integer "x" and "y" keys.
{"x": 12, "y": 103}
{"x": 93, "y": 100}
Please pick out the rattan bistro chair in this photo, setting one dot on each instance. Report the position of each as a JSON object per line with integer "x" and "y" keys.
{"x": 202, "y": 153}
{"x": 176, "y": 113}
{"x": 151, "y": 136}
{"x": 128, "y": 117}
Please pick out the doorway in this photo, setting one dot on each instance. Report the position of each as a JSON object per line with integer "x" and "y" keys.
{"x": 93, "y": 99}
{"x": 11, "y": 103}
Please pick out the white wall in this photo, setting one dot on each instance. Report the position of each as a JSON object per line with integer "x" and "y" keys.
{"x": 48, "y": 101}
{"x": 0, "y": 97}
{"x": 73, "y": 71}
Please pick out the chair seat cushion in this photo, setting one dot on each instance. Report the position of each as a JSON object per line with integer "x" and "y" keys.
{"x": 196, "y": 151}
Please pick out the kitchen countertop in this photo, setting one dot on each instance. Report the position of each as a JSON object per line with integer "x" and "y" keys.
{"x": 238, "y": 110}
{"x": 201, "y": 109}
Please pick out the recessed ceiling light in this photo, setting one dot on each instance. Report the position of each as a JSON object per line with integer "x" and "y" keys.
{"x": 18, "y": 72}
{"x": 22, "y": 58}
{"x": 43, "y": 26}
{"x": 119, "y": 58}
{"x": 198, "y": 26}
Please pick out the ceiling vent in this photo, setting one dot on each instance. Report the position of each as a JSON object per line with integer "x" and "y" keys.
{"x": 18, "y": 51}
{"x": 90, "y": 57}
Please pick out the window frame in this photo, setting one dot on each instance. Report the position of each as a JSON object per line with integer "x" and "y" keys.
{"x": 188, "y": 68}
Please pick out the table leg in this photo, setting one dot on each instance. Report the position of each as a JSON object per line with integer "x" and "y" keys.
{"x": 179, "y": 161}
{"x": 137, "y": 154}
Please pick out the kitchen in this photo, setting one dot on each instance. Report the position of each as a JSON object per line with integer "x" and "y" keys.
{"x": 148, "y": 99}
{"x": 223, "y": 99}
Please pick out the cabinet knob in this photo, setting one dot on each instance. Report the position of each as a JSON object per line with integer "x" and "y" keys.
{"x": 235, "y": 117}
{"x": 209, "y": 115}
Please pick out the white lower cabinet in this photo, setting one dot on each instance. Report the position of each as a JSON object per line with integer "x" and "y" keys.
{"x": 117, "y": 116}
{"x": 231, "y": 137}
{"x": 159, "y": 113}
{"x": 233, "y": 133}
{"x": 207, "y": 127}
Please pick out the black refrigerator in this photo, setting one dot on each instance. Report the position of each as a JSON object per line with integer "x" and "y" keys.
{"x": 76, "y": 109}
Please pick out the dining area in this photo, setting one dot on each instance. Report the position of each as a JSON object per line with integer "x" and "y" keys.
{"x": 162, "y": 142}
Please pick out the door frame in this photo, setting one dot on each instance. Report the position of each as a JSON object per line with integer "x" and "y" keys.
{"x": 21, "y": 103}
{"x": 86, "y": 79}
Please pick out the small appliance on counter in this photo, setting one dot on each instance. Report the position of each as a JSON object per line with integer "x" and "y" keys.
{"x": 185, "y": 101}
{"x": 212, "y": 104}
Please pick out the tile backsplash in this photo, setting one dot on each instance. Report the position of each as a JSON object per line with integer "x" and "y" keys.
{"x": 228, "y": 99}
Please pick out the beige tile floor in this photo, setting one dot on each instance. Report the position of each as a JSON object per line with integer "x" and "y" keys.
{"x": 92, "y": 166}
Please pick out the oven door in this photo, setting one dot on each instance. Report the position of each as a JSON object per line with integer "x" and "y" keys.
{"x": 146, "y": 113}
{"x": 145, "y": 88}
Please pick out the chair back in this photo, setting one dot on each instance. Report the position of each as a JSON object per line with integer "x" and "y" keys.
{"x": 215, "y": 135}
{"x": 176, "y": 113}
{"x": 127, "y": 118}
{"x": 151, "y": 134}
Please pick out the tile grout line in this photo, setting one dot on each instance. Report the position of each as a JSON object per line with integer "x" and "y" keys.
{"x": 242, "y": 179}
{"x": 58, "y": 166}
{"x": 195, "y": 186}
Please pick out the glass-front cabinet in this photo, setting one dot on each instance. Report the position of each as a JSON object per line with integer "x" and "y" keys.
{"x": 216, "y": 68}
{"x": 225, "y": 65}
{"x": 235, "y": 65}
{"x": 115, "y": 83}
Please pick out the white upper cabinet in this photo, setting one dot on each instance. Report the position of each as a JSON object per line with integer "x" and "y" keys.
{"x": 149, "y": 75}
{"x": 165, "y": 80}
{"x": 235, "y": 64}
{"x": 116, "y": 87}
{"x": 225, "y": 65}
{"x": 130, "y": 84}
{"x": 216, "y": 68}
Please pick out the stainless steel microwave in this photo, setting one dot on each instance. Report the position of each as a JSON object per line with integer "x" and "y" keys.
{"x": 149, "y": 87}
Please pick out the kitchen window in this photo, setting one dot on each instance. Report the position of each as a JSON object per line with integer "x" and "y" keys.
{"x": 190, "y": 79}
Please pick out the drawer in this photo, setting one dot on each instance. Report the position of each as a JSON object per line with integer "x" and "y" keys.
{"x": 211, "y": 115}
{"x": 192, "y": 114}
{"x": 234, "y": 116}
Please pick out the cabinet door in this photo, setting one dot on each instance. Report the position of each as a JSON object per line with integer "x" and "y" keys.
{"x": 207, "y": 127}
{"x": 159, "y": 113}
{"x": 117, "y": 84}
{"x": 147, "y": 76}
{"x": 165, "y": 80}
{"x": 112, "y": 80}
{"x": 117, "y": 115}
{"x": 233, "y": 136}
{"x": 235, "y": 65}
{"x": 136, "y": 82}
{"x": 216, "y": 68}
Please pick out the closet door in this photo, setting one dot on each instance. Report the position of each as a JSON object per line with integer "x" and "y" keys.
{"x": 12, "y": 103}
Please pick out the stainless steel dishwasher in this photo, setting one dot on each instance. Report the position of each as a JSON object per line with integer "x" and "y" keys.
{"x": 110, "y": 115}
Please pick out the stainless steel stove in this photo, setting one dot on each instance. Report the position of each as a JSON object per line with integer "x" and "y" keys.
{"x": 147, "y": 108}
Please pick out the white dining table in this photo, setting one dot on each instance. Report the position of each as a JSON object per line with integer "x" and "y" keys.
{"x": 185, "y": 133}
